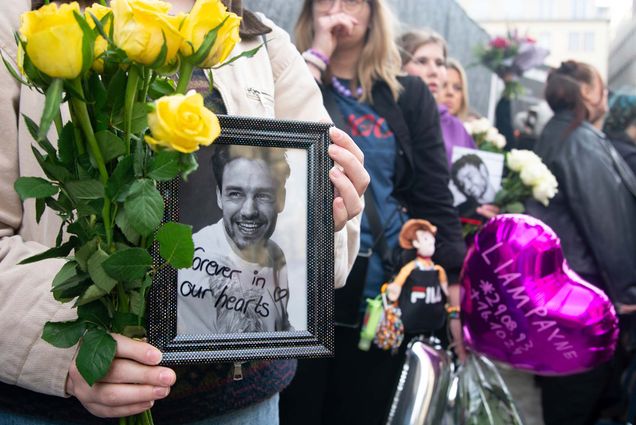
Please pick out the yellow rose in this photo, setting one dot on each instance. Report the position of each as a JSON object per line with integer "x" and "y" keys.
{"x": 101, "y": 44}
{"x": 140, "y": 27}
{"x": 182, "y": 123}
{"x": 204, "y": 17}
{"x": 53, "y": 40}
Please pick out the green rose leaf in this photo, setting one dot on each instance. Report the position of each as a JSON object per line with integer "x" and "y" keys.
{"x": 95, "y": 355}
{"x": 94, "y": 312}
{"x": 137, "y": 303}
{"x": 92, "y": 293}
{"x": 124, "y": 225}
{"x": 66, "y": 145}
{"x": 85, "y": 252}
{"x": 98, "y": 273}
{"x": 63, "y": 334}
{"x": 128, "y": 264}
{"x": 189, "y": 165}
{"x": 53, "y": 169}
{"x": 85, "y": 189}
{"x": 110, "y": 145}
{"x": 144, "y": 206}
{"x": 122, "y": 320}
{"x": 176, "y": 245}
{"x": 164, "y": 166}
{"x": 139, "y": 122}
{"x": 120, "y": 178}
{"x": 51, "y": 107}
{"x": 34, "y": 187}
{"x": 56, "y": 252}
{"x": 34, "y": 130}
{"x": 514, "y": 208}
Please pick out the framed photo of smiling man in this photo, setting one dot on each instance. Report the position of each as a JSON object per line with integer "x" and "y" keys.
{"x": 261, "y": 282}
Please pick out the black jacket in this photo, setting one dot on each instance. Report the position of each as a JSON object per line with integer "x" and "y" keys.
{"x": 594, "y": 212}
{"x": 421, "y": 170}
{"x": 626, "y": 147}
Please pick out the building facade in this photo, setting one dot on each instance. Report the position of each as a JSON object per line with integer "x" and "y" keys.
{"x": 622, "y": 60}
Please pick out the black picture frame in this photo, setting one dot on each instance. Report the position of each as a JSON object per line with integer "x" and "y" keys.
{"x": 308, "y": 141}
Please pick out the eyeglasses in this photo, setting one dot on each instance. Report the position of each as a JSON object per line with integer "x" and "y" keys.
{"x": 349, "y": 6}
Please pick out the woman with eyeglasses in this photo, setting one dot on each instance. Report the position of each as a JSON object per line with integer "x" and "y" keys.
{"x": 349, "y": 49}
{"x": 424, "y": 54}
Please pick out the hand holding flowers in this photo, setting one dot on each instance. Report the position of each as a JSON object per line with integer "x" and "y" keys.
{"x": 131, "y": 127}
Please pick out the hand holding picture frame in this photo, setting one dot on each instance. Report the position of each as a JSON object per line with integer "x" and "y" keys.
{"x": 261, "y": 283}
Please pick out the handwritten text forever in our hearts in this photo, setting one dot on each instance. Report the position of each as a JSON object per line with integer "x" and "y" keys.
{"x": 228, "y": 297}
{"x": 497, "y": 314}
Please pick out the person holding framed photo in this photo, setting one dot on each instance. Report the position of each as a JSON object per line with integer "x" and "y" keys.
{"x": 39, "y": 383}
{"x": 349, "y": 49}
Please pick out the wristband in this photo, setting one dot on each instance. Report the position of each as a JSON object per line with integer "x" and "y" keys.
{"x": 319, "y": 55}
{"x": 314, "y": 60}
{"x": 453, "y": 311}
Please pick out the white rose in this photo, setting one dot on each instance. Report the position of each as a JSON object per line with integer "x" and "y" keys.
{"x": 532, "y": 173}
{"x": 517, "y": 158}
{"x": 469, "y": 127}
{"x": 500, "y": 141}
{"x": 544, "y": 191}
{"x": 492, "y": 134}
{"x": 481, "y": 126}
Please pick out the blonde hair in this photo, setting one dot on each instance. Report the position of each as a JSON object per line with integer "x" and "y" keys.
{"x": 380, "y": 58}
{"x": 463, "y": 113}
{"x": 410, "y": 41}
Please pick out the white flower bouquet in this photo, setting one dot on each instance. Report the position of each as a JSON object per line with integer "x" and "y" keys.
{"x": 528, "y": 177}
{"x": 486, "y": 137}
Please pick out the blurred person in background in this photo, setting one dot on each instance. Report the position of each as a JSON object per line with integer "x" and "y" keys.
{"x": 348, "y": 46}
{"x": 620, "y": 127}
{"x": 455, "y": 91}
{"x": 424, "y": 54}
{"x": 593, "y": 215}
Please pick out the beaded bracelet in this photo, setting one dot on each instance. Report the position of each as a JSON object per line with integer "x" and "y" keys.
{"x": 319, "y": 55}
{"x": 453, "y": 311}
{"x": 314, "y": 60}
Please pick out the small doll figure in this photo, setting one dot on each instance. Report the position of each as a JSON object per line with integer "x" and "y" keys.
{"x": 421, "y": 287}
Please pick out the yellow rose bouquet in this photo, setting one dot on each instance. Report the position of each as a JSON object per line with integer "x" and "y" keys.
{"x": 131, "y": 126}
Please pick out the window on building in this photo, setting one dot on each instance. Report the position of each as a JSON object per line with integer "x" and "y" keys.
{"x": 546, "y": 9}
{"x": 579, "y": 9}
{"x": 588, "y": 41}
{"x": 574, "y": 41}
{"x": 513, "y": 9}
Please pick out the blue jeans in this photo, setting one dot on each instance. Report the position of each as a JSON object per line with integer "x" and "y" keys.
{"x": 263, "y": 413}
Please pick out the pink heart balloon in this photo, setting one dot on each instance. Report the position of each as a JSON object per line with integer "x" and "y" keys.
{"x": 522, "y": 305}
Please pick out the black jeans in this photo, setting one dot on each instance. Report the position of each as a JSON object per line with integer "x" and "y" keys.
{"x": 574, "y": 399}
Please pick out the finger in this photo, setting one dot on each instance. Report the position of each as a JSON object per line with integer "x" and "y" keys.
{"x": 123, "y": 394}
{"x": 340, "y": 214}
{"x": 118, "y": 412}
{"x": 347, "y": 191}
{"x": 351, "y": 167}
{"x": 131, "y": 372}
{"x": 342, "y": 139}
{"x": 137, "y": 350}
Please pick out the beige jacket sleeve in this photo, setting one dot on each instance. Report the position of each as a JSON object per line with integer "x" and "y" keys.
{"x": 298, "y": 97}
{"x": 25, "y": 298}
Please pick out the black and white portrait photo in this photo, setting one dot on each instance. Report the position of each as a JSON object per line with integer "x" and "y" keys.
{"x": 248, "y": 208}
{"x": 475, "y": 178}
